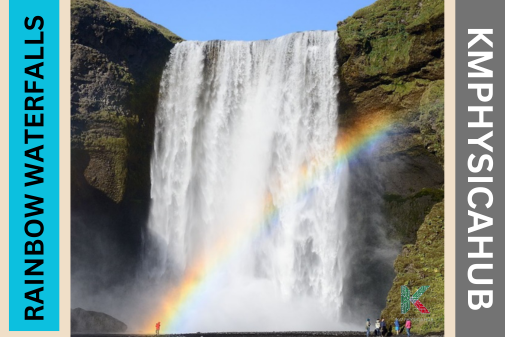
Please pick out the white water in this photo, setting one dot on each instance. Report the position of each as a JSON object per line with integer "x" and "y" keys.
{"x": 236, "y": 122}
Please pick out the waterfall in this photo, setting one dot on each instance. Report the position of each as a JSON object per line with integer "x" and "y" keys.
{"x": 241, "y": 191}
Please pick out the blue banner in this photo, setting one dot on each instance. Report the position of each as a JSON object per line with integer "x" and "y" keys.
{"x": 33, "y": 165}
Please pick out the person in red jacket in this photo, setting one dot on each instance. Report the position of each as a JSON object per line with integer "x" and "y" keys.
{"x": 158, "y": 328}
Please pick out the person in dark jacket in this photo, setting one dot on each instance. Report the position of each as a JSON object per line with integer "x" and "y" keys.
{"x": 383, "y": 327}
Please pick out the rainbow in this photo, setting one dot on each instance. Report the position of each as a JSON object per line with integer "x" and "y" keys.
{"x": 198, "y": 278}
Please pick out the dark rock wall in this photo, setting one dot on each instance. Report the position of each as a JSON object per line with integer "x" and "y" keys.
{"x": 117, "y": 61}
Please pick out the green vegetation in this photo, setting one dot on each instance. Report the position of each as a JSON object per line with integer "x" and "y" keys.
{"x": 118, "y": 58}
{"x": 108, "y": 151}
{"x": 116, "y": 14}
{"x": 401, "y": 88}
{"x": 421, "y": 264}
{"x": 428, "y": 117}
{"x": 391, "y": 64}
{"x": 431, "y": 118}
{"x": 383, "y": 32}
{"x": 408, "y": 213}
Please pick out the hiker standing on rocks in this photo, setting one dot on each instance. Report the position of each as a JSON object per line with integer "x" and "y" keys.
{"x": 383, "y": 327}
{"x": 408, "y": 325}
{"x": 158, "y": 328}
{"x": 367, "y": 327}
{"x": 397, "y": 326}
{"x": 377, "y": 327}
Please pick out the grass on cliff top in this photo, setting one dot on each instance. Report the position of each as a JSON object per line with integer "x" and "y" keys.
{"x": 383, "y": 32}
{"x": 421, "y": 264}
{"x": 125, "y": 15}
{"x": 390, "y": 17}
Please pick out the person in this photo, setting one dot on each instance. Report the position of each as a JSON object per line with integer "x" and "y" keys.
{"x": 367, "y": 326}
{"x": 383, "y": 327}
{"x": 158, "y": 328}
{"x": 397, "y": 326}
{"x": 408, "y": 326}
{"x": 377, "y": 327}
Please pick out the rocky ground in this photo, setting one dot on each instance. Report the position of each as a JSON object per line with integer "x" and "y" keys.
{"x": 258, "y": 334}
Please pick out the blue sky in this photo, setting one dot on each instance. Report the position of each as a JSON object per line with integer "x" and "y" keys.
{"x": 243, "y": 19}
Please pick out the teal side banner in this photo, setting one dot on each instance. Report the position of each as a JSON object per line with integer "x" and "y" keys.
{"x": 33, "y": 165}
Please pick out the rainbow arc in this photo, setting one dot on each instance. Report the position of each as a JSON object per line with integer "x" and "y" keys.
{"x": 177, "y": 303}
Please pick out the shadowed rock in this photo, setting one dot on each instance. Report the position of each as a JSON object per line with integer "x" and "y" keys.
{"x": 95, "y": 322}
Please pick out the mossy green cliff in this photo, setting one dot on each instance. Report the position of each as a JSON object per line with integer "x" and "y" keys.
{"x": 391, "y": 66}
{"x": 421, "y": 264}
{"x": 391, "y": 63}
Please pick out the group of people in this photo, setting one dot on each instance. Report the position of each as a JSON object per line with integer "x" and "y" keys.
{"x": 381, "y": 329}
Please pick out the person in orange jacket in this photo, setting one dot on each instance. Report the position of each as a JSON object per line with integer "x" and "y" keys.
{"x": 158, "y": 328}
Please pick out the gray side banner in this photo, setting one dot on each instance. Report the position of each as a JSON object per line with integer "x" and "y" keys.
{"x": 480, "y": 167}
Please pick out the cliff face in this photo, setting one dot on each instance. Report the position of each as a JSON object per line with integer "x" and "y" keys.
{"x": 391, "y": 67}
{"x": 421, "y": 264}
{"x": 117, "y": 62}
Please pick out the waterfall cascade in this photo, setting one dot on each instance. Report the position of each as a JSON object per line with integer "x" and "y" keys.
{"x": 245, "y": 135}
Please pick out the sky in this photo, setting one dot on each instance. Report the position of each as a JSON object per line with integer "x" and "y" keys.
{"x": 247, "y": 20}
